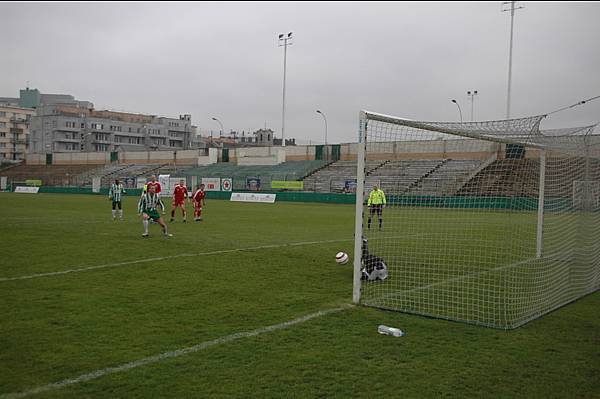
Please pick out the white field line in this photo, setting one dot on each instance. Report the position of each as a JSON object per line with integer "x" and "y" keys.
{"x": 466, "y": 276}
{"x": 146, "y": 260}
{"x": 168, "y": 355}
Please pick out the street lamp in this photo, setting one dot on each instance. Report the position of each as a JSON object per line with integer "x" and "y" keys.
{"x": 472, "y": 94}
{"x": 459, "y": 110}
{"x": 322, "y": 114}
{"x": 284, "y": 39}
{"x": 222, "y": 129}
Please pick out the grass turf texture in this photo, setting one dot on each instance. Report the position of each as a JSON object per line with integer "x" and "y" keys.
{"x": 59, "y": 327}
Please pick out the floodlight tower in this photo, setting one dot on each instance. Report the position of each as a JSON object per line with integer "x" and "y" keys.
{"x": 512, "y": 19}
{"x": 284, "y": 40}
{"x": 472, "y": 94}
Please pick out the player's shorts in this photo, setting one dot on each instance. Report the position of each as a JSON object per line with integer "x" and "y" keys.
{"x": 116, "y": 204}
{"x": 154, "y": 215}
{"x": 376, "y": 208}
{"x": 178, "y": 203}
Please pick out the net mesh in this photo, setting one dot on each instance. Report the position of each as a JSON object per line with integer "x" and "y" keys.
{"x": 491, "y": 223}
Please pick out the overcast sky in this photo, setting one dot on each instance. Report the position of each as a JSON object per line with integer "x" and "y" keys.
{"x": 222, "y": 60}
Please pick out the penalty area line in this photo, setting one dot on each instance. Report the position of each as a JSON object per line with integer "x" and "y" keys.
{"x": 171, "y": 354}
{"x": 156, "y": 259}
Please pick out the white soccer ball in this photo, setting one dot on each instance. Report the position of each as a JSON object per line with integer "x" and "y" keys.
{"x": 341, "y": 258}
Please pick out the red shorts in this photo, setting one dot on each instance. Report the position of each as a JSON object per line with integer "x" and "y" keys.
{"x": 178, "y": 203}
{"x": 197, "y": 206}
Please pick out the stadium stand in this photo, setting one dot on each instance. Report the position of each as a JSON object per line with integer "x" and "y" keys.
{"x": 50, "y": 175}
{"x": 505, "y": 177}
{"x": 410, "y": 176}
{"x": 291, "y": 170}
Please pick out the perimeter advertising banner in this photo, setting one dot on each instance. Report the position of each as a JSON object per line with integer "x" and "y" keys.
{"x": 27, "y": 190}
{"x": 251, "y": 197}
{"x": 211, "y": 183}
{"x": 350, "y": 186}
{"x": 288, "y": 185}
{"x": 253, "y": 183}
{"x": 165, "y": 189}
{"x": 96, "y": 181}
{"x": 226, "y": 184}
{"x": 128, "y": 182}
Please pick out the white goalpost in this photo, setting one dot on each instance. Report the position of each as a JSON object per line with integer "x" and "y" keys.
{"x": 491, "y": 223}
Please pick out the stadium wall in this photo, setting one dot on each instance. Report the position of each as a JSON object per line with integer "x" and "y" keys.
{"x": 423, "y": 149}
{"x": 260, "y": 155}
{"x": 459, "y": 202}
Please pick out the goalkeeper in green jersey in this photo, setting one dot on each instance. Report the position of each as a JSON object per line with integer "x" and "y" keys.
{"x": 114, "y": 194}
{"x": 376, "y": 203}
{"x": 148, "y": 208}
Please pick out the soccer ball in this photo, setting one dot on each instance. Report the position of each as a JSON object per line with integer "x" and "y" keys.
{"x": 341, "y": 258}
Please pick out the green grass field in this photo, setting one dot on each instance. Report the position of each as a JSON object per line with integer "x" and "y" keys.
{"x": 91, "y": 309}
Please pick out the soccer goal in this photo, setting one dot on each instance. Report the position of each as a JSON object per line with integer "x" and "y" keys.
{"x": 492, "y": 223}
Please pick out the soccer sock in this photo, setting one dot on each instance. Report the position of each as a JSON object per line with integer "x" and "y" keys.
{"x": 145, "y": 226}
{"x": 380, "y": 222}
{"x": 172, "y": 213}
{"x": 369, "y": 223}
{"x": 121, "y": 213}
{"x": 114, "y": 213}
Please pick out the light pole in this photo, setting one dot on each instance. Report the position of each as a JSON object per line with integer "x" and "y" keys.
{"x": 222, "y": 129}
{"x": 284, "y": 39}
{"x": 323, "y": 115}
{"x": 512, "y": 19}
{"x": 472, "y": 94}
{"x": 459, "y": 110}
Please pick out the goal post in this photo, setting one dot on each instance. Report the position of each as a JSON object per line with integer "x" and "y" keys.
{"x": 485, "y": 222}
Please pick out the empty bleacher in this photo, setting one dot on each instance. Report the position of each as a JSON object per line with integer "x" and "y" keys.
{"x": 409, "y": 176}
{"x": 507, "y": 177}
{"x": 50, "y": 175}
{"x": 445, "y": 178}
{"x": 291, "y": 170}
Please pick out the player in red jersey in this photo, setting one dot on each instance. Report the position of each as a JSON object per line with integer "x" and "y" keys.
{"x": 180, "y": 193}
{"x": 198, "y": 200}
{"x": 154, "y": 183}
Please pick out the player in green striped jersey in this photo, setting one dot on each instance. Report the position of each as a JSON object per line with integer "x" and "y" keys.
{"x": 148, "y": 208}
{"x": 114, "y": 194}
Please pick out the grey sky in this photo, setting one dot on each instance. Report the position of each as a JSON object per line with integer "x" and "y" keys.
{"x": 222, "y": 60}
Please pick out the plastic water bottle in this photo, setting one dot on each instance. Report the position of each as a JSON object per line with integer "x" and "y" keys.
{"x": 396, "y": 332}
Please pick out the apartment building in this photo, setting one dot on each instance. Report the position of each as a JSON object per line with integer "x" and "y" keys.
{"x": 14, "y": 131}
{"x": 72, "y": 128}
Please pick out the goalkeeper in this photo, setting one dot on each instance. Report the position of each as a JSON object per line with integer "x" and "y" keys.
{"x": 376, "y": 203}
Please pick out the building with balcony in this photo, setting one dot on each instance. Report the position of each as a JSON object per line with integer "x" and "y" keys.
{"x": 14, "y": 132}
{"x": 73, "y": 128}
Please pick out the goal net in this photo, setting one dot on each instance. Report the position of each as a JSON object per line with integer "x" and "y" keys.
{"x": 492, "y": 223}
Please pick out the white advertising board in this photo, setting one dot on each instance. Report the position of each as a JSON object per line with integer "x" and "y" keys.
{"x": 165, "y": 187}
{"x": 96, "y": 180}
{"x": 27, "y": 190}
{"x": 211, "y": 183}
{"x": 251, "y": 197}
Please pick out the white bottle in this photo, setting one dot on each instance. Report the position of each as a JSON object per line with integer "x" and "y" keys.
{"x": 396, "y": 332}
